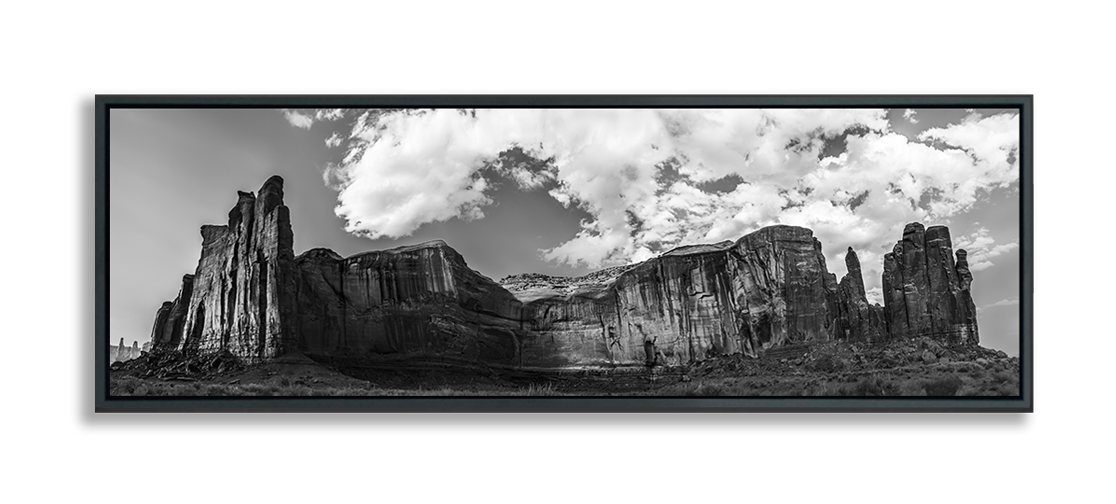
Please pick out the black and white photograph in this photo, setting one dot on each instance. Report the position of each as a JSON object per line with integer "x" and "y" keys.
{"x": 582, "y": 252}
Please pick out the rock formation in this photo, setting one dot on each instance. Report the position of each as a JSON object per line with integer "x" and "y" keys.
{"x": 926, "y": 293}
{"x": 417, "y": 299}
{"x": 856, "y": 318}
{"x": 241, "y": 297}
{"x": 252, "y": 297}
{"x": 122, "y": 352}
{"x": 767, "y": 289}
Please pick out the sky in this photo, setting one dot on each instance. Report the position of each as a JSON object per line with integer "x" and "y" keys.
{"x": 566, "y": 191}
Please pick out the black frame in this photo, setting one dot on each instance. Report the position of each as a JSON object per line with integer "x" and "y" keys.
{"x": 1022, "y": 404}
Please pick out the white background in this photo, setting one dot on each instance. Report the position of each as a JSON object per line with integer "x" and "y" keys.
{"x": 55, "y": 58}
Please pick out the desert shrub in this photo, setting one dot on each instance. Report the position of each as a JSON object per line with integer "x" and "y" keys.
{"x": 827, "y": 364}
{"x": 253, "y": 389}
{"x": 284, "y": 382}
{"x": 183, "y": 390}
{"x": 140, "y": 390}
{"x": 123, "y": 386}
{"x": 294, "y": 391}
{"x": 216, "y": 390}
{"x": 911, "y": 388}
{"x": 971, "y": 389}
{"x": 945, "y": 386}
{"x": 541, "y": 390}
{"x": 871, "y": 386}
{"x": 708, "y": 389}
{"x": 1008, "y": 389}
{"x": 1003, "y": 377}
{"x": 816, "y": 389}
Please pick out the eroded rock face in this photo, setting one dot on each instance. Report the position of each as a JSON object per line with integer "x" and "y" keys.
{"x": 926, "y": 293}
{"x": 769, "y": 288}
{"x": 421, "y": 299}
{"x": 857, "y": 319}
{"x": 252, "y": 297}
{"x": 240, "y": 298}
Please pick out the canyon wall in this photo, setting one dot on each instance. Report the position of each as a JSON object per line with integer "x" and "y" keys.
{"x": 251, "y": 296}
{"x": 767, "y": 289}
{"x": 418, "y": 299}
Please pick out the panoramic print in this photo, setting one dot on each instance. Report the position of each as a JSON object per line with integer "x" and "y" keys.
{"x": 564, "y": 252}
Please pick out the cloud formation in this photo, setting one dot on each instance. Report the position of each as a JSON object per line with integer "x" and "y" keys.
{"x": 647, "y": 176}
{"x": 1002, "y": 302}
{"x": 982, "y": 248}
{"x": 298, "y": 119}
{"x": 909, "y": 115}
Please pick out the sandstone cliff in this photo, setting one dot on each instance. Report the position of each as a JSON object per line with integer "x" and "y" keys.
{"x": 417, "y": 299}
{"x": 252, "y": 297}
{"x": 240, "y": 298}
{"x": 767, "y": 289}
{"x": 856, "y": 318}
{"x": 926, "y": 292}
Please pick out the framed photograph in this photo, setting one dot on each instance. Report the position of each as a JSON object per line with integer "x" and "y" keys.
{"x": 564, "y": 253}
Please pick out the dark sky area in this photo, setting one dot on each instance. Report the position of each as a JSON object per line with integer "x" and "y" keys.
{"x": 172, "y": 171}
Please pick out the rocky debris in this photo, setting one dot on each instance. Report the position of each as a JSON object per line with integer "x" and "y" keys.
{"x": 525, "y": 284}
{"x": 855, "y": 358}
{"x": 179, "y": 366}
{"x": 926, "y": 292}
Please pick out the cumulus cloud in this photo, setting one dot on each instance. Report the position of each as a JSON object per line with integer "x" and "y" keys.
{"x": 1002, "y": 302}
{"x": 334, "y": 140}
{"x": 909, "y": 115}
{"x": 298, "y": 119}
{"x": 874, "y": 295}
{"x": 982, "y": 248}
{"x": 643, "y": 175}
{"x": 328, "y": 114}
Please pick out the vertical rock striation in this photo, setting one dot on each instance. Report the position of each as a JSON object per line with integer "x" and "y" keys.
{"x": 765, "y": 290}
{"x": 421, "y": 299}
{"x": 857, "y": 319}
{"x": 926, "y": 293}
{"x": 240, "y": 298}
{"x": 251, "y": 296}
